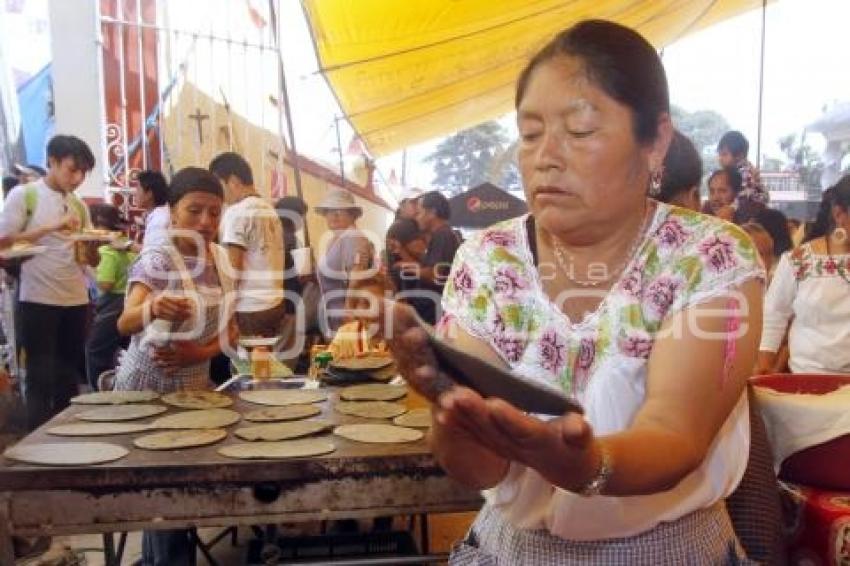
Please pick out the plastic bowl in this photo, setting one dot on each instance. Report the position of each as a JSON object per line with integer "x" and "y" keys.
{"x": 827, "y": 465}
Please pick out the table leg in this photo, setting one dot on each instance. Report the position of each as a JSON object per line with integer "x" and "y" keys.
{"x": 109, "y": 550}
{"x": 199, "y": 544}
{"x": 7, "y": 548}
{"x": 122, "y": 542}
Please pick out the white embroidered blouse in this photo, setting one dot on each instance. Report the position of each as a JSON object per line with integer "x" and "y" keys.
{"x": 494, "y": 292}
{"x": 811, "y": 292}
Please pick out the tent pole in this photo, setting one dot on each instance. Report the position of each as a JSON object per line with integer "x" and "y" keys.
{"x": 404, "y": 168}
{"x": 285, "y": 102}
{"x": 339, "y": 149}
{"x": 761, "y": 82}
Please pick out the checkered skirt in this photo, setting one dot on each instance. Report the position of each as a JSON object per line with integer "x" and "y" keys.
{"x": 703, "y": 538}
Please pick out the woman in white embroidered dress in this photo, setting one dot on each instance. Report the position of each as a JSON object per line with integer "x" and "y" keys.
{"x": 810, "y": 291}
{"x": 646, "y": 313}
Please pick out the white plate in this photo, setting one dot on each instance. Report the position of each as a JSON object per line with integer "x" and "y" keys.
{"x": 89, "y": 237}
{"x": 13, "y": 253}
{"x": 258, "y": 341}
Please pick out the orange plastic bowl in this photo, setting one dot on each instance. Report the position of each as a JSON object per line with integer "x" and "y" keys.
{"x": 826, "y": 465}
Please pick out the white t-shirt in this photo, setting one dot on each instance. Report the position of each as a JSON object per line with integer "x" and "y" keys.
{"x": 53, "y": 277}
{"x": 812, "y": 292}
{"x": 253, "y": 224}
{"x": 157, "y": 224}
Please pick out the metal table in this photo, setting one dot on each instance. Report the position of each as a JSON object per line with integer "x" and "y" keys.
{"x": 196, "y": 487}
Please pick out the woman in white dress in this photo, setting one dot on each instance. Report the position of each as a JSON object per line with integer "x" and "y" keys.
{"x": 809, "y": 296}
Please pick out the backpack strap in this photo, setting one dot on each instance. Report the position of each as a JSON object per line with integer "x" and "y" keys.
{"x": 80, "y": 208}
{"x": 31, "y": 203}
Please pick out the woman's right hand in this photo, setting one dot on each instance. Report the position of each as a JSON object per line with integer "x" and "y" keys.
{"x": 408, "y": 342}
{"x": 169, "y": 307}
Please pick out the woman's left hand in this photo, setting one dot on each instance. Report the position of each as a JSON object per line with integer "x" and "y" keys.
{"x": 562, "y": 450}
{"x": 178, "y": 354}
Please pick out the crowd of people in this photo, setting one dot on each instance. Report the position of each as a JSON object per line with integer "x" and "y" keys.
{"x": 592, "y": 292}
{"x": 214, "y": 259}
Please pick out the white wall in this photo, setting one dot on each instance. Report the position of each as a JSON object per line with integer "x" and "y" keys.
{"x": 77, "y": 80}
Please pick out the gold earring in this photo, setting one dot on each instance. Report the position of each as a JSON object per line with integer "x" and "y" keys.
{"x": 655, "y": 181}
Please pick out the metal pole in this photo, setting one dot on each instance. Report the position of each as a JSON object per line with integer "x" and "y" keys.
{"x": 160, "y": 135}
{"x": 122, "y": 87}
{"x": 144, "y": 115}
{"x": 339, "y": 149}
{"x": 761, "y": 82}
{"x": 404, "y": 167}
{"x": 104, "y": 139}
{"x": 284, "y": 100}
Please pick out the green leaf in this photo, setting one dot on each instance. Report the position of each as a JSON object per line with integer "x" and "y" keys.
{"x": 691, "y": 268}
{"x": 478, "y": 306}
{"x": 632, "y": 315}
{"x": 501, "y": 255}
{"x": 745, "y": 244}
{"x": 514, "y": 316}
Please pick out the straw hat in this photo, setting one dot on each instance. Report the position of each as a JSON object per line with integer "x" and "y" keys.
{"x": 339, "y": 199}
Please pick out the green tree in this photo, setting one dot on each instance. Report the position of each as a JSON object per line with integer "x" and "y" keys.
{"x": 704, "y": 128}
{"x": 463, "y": 160}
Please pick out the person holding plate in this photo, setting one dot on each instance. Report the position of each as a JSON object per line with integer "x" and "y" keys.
{"x": 54, "y": 299}
{"x": 646, "y": 314}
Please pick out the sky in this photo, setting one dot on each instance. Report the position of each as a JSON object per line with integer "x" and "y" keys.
{"x": 715, "y": 69}
{"x": 805, "y": 68}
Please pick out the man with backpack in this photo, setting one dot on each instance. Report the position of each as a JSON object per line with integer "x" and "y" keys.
{"x": 53, "y": 294}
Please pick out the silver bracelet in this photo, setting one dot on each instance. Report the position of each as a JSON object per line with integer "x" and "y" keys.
{"x": 598, "y": 482}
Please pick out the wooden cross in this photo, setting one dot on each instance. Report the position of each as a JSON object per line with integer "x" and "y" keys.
{"x": 199, "y": 119}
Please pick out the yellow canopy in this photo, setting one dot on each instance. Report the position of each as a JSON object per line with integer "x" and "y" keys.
{"x": 405, "y": 71}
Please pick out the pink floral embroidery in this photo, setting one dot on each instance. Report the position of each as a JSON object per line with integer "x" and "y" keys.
{"x": 718, "y": 252}
{"x": 633, "y": 282}
{"x": 659, "y": 296}
{"x": 586, "y": 352}
{"x": 672, "y": 234}
{"x": 498, "y": 326}
{"x": 801, "y": 270}
{"x": 553, "y": 351}
{"x": 830, "y": 266}
{"x": 584, "y": 361}
{"x": 499, "y": 238}
{"x": 636, "y": 345}
{"x": 462, "y": 280}
{"x": 507, "y": 282}
{"x": 510, "y": 347}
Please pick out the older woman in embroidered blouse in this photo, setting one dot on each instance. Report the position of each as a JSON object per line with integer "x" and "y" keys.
{"x": 809, "y": 297}
{"x": 645, "y": 313}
